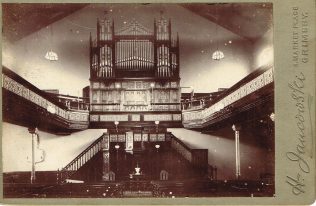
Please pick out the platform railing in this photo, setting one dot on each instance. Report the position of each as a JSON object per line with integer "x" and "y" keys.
{"x": 80, "y": 160}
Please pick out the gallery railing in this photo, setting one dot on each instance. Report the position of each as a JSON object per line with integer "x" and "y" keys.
{"x": 71, "y": 102}
{"x": 135, "y": 107}
{"x": 19, "y": 86}
{"x": 243, "y": 89}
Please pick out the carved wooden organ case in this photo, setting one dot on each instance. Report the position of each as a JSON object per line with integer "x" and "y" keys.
{"x": 134, "y": 68}
{"x": 134, "y": 51}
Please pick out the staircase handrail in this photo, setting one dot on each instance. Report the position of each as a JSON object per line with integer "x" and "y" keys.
{"x": 83, "y": 152}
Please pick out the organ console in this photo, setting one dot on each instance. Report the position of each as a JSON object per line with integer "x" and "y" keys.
{"x": 134, "y": 69}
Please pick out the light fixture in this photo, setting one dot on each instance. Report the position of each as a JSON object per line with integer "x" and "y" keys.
{"x": 117, "y": 146}
{"x": 117, "y": 85}
{"x": 116, "y": 123}
{"x": 272, "y": 117}
{"x": 218, "y": 54}
{"x": 156, "y": 123}
{"x": 51, "y": 55}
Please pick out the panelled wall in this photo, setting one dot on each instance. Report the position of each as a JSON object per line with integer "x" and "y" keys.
{"x": 135, "y": 96}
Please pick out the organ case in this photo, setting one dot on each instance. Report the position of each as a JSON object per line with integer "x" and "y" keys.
{"x": 134, "y": 69}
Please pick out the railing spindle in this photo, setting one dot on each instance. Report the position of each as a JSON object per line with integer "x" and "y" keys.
{"x": 81, "y": 159}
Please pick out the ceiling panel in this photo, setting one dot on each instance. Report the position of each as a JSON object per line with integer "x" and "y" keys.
{"x": 248, "y": 20}
{"x": 20, "y": 20}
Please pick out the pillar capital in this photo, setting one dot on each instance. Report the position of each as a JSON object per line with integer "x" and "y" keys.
{"x": 236, "y": 127}
{"x": 33, "y": 130}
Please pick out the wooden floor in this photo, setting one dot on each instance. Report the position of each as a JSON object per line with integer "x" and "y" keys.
{"x": 205, "y": 188}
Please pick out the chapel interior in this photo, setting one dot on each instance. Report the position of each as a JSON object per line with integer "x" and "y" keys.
{"x": 138, "y": 100}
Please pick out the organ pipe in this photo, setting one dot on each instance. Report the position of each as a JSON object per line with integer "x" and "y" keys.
{"x": 143, "y": 54}
{"x": 138, "y": 53}
{"x": 131, "y": 54}
{"x": 140, "y": 58}
{"x": 124, "y": 52}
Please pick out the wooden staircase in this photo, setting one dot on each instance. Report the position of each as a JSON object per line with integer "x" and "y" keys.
{"x": 70, "y": 169}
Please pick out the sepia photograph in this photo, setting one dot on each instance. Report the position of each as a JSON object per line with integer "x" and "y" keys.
{"x": 138, "y": 100}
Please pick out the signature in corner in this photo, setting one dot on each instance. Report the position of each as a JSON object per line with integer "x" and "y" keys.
{"x": 296, "y": 183}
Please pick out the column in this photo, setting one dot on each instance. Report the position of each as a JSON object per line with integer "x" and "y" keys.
{"x": 106, "y": 157}
{"x": 237, "y": 128}
{"x": 33, "y": 132}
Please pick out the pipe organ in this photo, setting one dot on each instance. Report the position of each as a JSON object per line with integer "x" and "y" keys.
{"x": 134, "y": 69}
{"x": 134, "y": 49}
